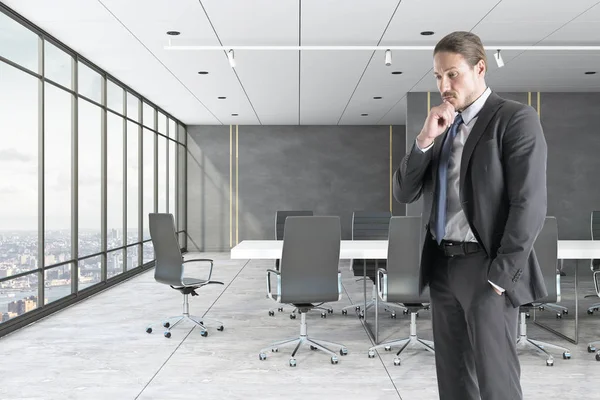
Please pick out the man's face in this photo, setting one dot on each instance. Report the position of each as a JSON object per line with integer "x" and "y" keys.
{"x": 458, "y": 83}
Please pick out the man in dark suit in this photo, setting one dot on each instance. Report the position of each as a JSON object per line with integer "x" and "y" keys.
{"x": 480, "y": 165}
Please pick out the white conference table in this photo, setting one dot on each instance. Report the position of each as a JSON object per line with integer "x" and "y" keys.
{"x": 377, "y": 249}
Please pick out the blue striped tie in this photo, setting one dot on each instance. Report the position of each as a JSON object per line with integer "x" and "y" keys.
{"x": 442, "y": 180}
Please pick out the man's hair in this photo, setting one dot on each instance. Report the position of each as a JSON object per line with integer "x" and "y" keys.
{"x": 466, "y": 44}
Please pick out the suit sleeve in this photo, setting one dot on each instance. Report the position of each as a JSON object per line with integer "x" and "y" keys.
{"x": 524, "y": 162}
{"x": 408, "y": 178}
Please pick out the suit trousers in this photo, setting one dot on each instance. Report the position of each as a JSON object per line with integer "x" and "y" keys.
{"x": 474, "y": 331}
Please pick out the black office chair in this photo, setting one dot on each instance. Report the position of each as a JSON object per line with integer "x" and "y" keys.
{"x": 546, "y": 250}
{"x": 169, "y": 271}
{"x": 308, "y": 275}
{"x": 370, "y": 225}
{"x": 595, "y": 267}
{"x": 280, "y": 218}
{"x": 400, "y": 282}
{"x": 595, "y": 264}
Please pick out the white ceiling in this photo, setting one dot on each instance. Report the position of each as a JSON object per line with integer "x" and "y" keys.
{"x": 127, "y": 39}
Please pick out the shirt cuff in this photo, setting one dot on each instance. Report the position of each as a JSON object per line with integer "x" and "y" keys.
{"x": 425, "y": 149}
{"x": 496, "y": 286}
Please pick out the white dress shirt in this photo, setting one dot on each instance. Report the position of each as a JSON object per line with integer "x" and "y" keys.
{"x": 457, "y": 226}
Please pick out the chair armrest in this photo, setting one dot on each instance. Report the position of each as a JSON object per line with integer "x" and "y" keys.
{"x": 202, "y": 260}
{"x": 269, "y": 293}
{"x": 596, "y": 279}
{"x": 340, "y": 286}
{"x": 382, "y": 284}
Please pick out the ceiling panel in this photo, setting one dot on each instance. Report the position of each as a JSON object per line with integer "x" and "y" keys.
{"x": 414, "y": 17}
{"x": 127, "y": 38}
{"x": 328, "y": 78}
{"x": 87, "y": 27}
{"x": 270, "y": 78}
{"x": 379, "y": 81}
{"x": 189, "y": 18}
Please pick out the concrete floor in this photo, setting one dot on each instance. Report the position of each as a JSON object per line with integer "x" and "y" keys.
{"x": 98, "y": 349}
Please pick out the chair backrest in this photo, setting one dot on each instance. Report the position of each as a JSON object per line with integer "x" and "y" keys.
{"x": 370, "y": 225}
{"x": 310, "y": 259}
{"x": 546, "y": 251}
{"x": 169, "y": 262}
{"x": 595, "y": 232}
{"x": 403, "y": 261}
{"x": 280, "y": 217}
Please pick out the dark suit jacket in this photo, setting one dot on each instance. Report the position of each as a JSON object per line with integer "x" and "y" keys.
{"x": 502, "y": 192}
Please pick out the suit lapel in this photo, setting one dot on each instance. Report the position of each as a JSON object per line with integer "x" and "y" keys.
{"x": 485, "y": 116}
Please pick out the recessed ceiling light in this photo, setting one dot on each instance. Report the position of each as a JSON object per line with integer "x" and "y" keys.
{"x": 427, "y": 33}
{"x": 234, "y": 115}
{"x": 203, "y": 72}
{"x": 377, "y": 97}
{"x": 397, "y": 73}
{"x": 221, "y": 97}
{"x": 364, "y": 115}
{"x": 173, "y": 33}
{"x": 590, "y": 73}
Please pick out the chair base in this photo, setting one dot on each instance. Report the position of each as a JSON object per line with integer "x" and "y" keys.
{"x": 558, "y": 309}
{"x": 388, "y": 307}
{"x": 315, "y": 344}
{"x": 185, "y": 316}
{"x": 593, "y": 348}
{"x": 413, "y": 339}
{"x": 524, "y": 343}
{"x": 592, "y": 308}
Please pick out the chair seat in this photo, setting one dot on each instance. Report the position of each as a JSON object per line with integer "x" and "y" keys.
{"x": 193, "y": 282}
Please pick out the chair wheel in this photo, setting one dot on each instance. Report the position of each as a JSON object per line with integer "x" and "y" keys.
{"x": 558, "y": 316}
{"x": 417, "y": 314}
{"x": 292, "y": 316}
{"x": 388, "y": 348}
{"x": 323, "y": 315}
{"x": 565, "y": 311}
{"x": 344, "y": 312}
{"x": 148, "y": 330}
{"x": 566, "y": 355}
{"x": 541, "y": 308}
{"x": 550, "y": 363}
{"x": 167, "y": 335}
{"x": 313, "y": 347}
{"x": 334, "y": 360}
{"x": 274, "y": 350}
{"x": 361, "y": 314}
{"x": 343, "y": 351}
{"x": 166, "y": 324}
{"x": 371, "y": 353}
{"x": 393, "y": 315}
{"x": 590, "y": 312}
{"x": 597, "y": 356}
{"x": 330, "y": 311}
{"x": 221, "y": 328}
{"x": 280, "y": 309}
{"x": 591, "y": 349}
{"x": 405, "y": 312}
{"x": 397, "y": 361}
{"x": 271, "y": 313}
{"x": 262, "y": 356}
{"x": 292, "y": 362}
{"x": 357, "y": 308}
{"x": 527, "y": 315}
{"x": 204, "y": 333}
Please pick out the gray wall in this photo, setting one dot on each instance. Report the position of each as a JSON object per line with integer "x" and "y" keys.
{"x": 332, "y": 170}
{"x": 573, "y": 138}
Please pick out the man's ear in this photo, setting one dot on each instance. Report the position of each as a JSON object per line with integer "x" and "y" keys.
{"x": 480, "y": 68}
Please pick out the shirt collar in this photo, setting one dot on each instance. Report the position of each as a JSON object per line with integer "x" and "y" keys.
{"x": 473, "y": 110}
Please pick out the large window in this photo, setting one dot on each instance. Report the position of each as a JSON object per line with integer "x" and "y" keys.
{"x": 78, "y": 148}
